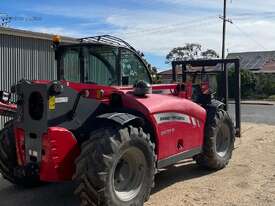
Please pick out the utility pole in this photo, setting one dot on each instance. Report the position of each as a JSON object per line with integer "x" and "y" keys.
{"x": 225, "y": 20}
{"x": 225, "y": 77}
{"x": 224, "y": 29}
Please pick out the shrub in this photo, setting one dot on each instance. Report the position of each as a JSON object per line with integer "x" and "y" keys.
{"x": 272, "y": 98}
{"x": 265, "y": 84}
{"x": 248, "y": 83}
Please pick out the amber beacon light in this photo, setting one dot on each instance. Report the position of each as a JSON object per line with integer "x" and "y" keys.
{"x": 56, "y": 39}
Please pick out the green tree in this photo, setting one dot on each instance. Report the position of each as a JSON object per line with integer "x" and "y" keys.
{"x": 265, "y": 85}
{"x": 190, "y": 51}
{"x": 156, "y": 78}
{"x": 248, "y": 83}
{"x": 209, "y": 54}
{"x": 153, "y": 71}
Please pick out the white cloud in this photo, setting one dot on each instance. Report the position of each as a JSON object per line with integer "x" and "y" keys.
{"x": 245, "y": 5}
{"x": 157, "y": 31}
{"x": 54, "y": 30}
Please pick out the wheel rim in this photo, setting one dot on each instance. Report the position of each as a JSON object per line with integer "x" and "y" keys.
{"x": 223, "y": 140}
{"x": 129, "y": 174}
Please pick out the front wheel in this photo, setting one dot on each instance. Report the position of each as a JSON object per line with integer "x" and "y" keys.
{"x": 219, "y": 140}
{"x": 116, "y": 167}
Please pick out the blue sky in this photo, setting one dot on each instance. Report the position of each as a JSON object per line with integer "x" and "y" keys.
{"x": 154, "y": 26}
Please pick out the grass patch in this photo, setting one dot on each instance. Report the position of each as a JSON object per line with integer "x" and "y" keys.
{"x": 271, "y": 98}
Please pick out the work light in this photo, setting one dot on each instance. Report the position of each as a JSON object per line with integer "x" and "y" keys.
{"x": 5, "y": 97}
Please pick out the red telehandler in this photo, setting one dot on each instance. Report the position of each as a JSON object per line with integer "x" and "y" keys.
{"x": 104, "y": 125}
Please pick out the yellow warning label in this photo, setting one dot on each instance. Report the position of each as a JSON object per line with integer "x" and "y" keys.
{"x": 52, "y": 102}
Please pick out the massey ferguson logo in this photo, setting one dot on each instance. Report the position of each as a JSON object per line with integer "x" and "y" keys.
{"x": 178, "y": 117}
{"x": 174, "y": 118}
{"x": 171, "y": 117}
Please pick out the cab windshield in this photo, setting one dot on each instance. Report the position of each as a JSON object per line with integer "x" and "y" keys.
{"x": 105, "y": 65}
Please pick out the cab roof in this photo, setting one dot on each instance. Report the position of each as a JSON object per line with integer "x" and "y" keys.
{"x": 107, "y": 40}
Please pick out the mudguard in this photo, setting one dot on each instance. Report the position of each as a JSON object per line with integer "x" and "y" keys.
{"x": 60, "y": 151}
{"x": 216, "y": 103}
{"x": 177, "y": 123}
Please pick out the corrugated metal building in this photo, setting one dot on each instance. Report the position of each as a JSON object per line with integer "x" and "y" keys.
{"x": 257, "y": 62}
{"x": 25, "y": 54}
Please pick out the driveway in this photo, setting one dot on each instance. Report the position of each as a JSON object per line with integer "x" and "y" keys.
{"x": 255, "y": 113}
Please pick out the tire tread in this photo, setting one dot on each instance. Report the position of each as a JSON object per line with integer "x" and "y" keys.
{"x": 209, "y": 158}
{"x": 93, "y": 180}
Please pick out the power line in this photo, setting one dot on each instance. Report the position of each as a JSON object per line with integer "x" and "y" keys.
{"x": 226, "y": 20}
{"x": 249, "y": 16}
{"x": 249, "y": 36}
{"x": 181, "y": 25}
{"x": 173, "y": 27}
{"x": 166, "y": 30}
{"x": 170, "y": 28}
{"x": 193, "y": 22}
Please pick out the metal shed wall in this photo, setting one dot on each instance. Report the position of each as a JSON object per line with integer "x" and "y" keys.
{"x": 24, "y": 56}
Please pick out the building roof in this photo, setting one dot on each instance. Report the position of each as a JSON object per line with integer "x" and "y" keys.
{"x": 256, "y": 61}
{"x": 102, "y": 40}
{"x": 36, "y": 35}
{"x": 268, "y": 67}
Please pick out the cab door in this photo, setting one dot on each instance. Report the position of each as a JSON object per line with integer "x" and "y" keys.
{"x": 133, "y": 68}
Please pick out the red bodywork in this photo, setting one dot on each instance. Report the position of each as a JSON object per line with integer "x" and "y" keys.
{"x": 177, "y": 122}
{"x": 60, "y": 149}
{"x": 4, "y": 108}
{"x": 173, "y": 136}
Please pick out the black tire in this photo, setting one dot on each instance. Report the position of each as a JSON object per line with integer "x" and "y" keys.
{"x": 8, "y": 159}
{"x": 219, "y": 140}
{"x": 101, "y": 168}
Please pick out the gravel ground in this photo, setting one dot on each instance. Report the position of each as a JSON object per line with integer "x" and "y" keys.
{"x": 248, "y": 180}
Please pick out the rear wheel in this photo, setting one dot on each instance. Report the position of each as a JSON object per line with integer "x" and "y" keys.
{"x": 116, "y": 167}
{"x": 219, "y": 140}
{"x": 8, "y": 160}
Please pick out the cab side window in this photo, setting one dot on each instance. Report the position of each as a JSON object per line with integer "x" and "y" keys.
{"x": 71, "y": 65}
{"x": 132, "y": 68}
{"x": 99, "y": 66}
